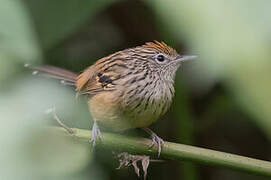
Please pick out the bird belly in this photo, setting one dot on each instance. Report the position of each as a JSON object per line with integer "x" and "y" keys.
{"x": 104, "y": 108}
{"x": 107, "y": 108}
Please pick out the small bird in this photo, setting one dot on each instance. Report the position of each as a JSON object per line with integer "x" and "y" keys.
{"x": 131, "y": 88}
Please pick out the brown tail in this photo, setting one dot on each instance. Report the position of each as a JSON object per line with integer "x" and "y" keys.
{"x": 66, "y": 77}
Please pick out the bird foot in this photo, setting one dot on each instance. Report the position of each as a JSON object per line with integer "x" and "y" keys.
{"x": 96, "y": 134}
{"x": 155, "y": 140}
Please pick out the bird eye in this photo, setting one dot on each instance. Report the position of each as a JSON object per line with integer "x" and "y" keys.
{"x": 160, "y": 58}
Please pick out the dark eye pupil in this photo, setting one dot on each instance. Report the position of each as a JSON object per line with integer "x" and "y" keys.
{"x": 160, "y": 58}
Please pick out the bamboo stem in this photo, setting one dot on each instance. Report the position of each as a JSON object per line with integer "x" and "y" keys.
{"x": 174, "y": 151}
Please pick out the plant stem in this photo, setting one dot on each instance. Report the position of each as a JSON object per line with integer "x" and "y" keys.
{"x": 184, "y": 127}
{"x": 174, "y": 151}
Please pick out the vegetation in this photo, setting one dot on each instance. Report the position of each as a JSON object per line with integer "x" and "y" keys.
{"x": 222, "y": 100}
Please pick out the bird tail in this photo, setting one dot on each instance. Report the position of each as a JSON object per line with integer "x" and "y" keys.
{"x": 65, "y": 76}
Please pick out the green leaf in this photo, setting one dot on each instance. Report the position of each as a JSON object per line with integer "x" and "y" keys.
{"x": 28, "y": 149}
{"x": 56, "y": 19}
{"x": 232, "y": 39}
{"x": 17, "y": 38}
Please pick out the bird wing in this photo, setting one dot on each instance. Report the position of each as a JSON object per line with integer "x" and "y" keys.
{"x": 100, "y": 76}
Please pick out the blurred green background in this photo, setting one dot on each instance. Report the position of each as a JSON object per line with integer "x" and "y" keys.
{"x": 222, "y": 101}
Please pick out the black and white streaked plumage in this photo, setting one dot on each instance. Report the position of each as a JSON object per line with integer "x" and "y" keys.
{"x": 128, "y": 89}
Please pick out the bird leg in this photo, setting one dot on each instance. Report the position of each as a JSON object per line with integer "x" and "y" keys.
{"x": 95, "y": 134}
{"x": 155, "y": 140}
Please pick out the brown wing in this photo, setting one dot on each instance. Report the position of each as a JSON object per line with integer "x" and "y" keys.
{"x": 86, "y": 81}
{"x": 100, "y": 76}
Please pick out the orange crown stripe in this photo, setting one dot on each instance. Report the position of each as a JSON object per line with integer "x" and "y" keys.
{"x": 161, "y": 46}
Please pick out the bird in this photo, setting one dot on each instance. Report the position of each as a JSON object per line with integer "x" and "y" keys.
{"x": 128, "y": 89}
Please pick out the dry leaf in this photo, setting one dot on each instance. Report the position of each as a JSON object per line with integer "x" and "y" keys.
{"x": 126, "y": 160}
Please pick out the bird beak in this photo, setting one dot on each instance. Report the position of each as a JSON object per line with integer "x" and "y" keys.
{"x": 185, "y": 58}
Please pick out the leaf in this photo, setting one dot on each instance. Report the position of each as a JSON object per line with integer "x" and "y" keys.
{"x": 232, "y": 40}
{"x": 145, "y": 165}
{"x": 28, "y": 147}
{"x": 55, "y": 20}
{"x": 17, "y": 37}
{"x": 126, "y": 160}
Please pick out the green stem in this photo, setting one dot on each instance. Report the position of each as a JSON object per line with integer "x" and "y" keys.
{"x": 184, "y": 124}
{"x": 178, "y": 152}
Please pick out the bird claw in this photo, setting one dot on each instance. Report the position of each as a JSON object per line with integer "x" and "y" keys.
{"x": 157, "y": 140}
{"x": 95, "y": 134}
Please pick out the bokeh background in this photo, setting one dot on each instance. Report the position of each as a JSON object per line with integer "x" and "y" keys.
{"x": 222, "y": 101}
